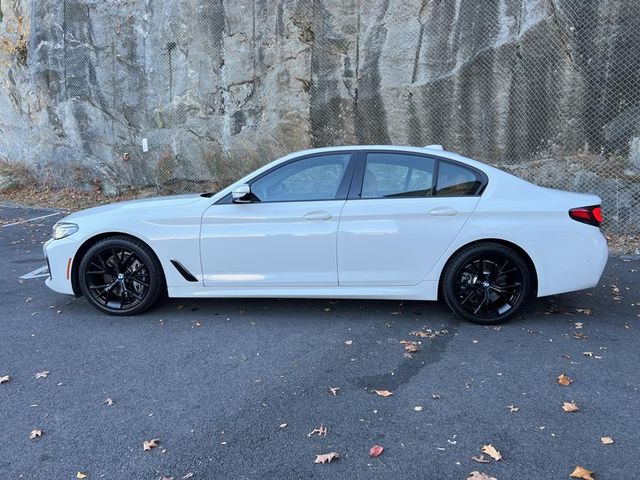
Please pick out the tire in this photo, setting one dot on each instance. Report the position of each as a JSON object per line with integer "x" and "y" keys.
{"x": 486, "y": 283}
{"x": 121, "y": 276}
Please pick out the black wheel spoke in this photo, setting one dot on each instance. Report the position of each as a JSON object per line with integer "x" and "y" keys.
{"x": 134, "y": 295}
{"x": 136, "y": 271}
{"x": 144, "y": 284}
{"x": 479, "y": 307}
{"x": 126, "y": 263}
{"x": 502, "y": 295}
{"x": 467, "y": 297}
{"x": 115, "y": 257}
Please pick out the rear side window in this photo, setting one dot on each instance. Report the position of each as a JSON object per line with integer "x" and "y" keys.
{"x": 389, "y": 175}
{"x": 456, "y": 181}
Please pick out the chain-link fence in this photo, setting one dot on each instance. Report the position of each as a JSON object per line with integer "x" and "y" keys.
{"x": 188, "y": 95}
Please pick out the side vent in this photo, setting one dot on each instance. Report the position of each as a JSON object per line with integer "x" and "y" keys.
{"x": 183, "y": 271}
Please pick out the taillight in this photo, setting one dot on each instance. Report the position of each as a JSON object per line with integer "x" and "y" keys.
{"x": 590, "y": 215}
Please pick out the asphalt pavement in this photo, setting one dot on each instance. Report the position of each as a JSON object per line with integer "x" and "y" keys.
{"x": 233, "y": 388}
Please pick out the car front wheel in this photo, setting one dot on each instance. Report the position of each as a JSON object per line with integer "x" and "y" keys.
{"x": 486, "y": 283}
{"x": 120, "y": 276}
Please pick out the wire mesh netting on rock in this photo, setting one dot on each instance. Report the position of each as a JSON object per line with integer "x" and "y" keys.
{"x": 189, "y": 95}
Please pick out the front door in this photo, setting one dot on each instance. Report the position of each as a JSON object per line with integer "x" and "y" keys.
{"x": 286, "y": 236}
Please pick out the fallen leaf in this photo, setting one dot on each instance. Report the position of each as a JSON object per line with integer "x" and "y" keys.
{"x": 570, "y": 407}
{"x": 579, "y": 325}
{"x": 376, "y": 451}
{"x": 326, "y": 457}
{"x": 188, "y": 475}
{"x": 492, "y": 452}
{"x": 480, "y": 459}
{"x": 149, "y": 444}
{"x": 606, "y": 440}
{"x": 42, "y": 374}
{"x": 109, "y": 402}
{"x": 428, "y": 333}
{"x": 418, "y": 408}
{"x": 581, "y": 472}
{"x": 480, "y": 476}
{"x": 586, "y": 311}
{"x": 409, "y": 346}
{"x": 321, "y": 431}
{"x": 4, "y": 379}
{"x": 513, "y": 408}
{"x": 587, "y": 354}
{"x": 283, "y": 425}
{"x": 564, "y": 380}
{"x": 334, "y": 390}
{"x": 35, "y": 434}
{"x": 167, "y": 478}
{"x": 579, "y": 336}
{"x": 349, "y": 342}
{"x": 435, "y": 396}
{"x": 81, "y": 475}
{"x": 384, "y": 393}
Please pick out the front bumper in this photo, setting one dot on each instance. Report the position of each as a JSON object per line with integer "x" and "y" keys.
{"x": 59, "y": 255}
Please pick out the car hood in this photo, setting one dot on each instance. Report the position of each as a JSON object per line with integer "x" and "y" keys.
{"x": 154, "y": 203}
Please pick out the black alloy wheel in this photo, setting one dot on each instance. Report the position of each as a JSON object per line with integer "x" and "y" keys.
{"x": 486, "y": 283}
{"x": 120, "y": 276}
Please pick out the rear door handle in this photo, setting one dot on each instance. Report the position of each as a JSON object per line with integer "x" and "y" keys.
{"x": 444, "y": 212}
{"x": 318, "y": 216}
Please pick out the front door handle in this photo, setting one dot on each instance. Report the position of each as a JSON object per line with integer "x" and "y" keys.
{"x": 318, "y": 216}
{"x": 444, "y": 212}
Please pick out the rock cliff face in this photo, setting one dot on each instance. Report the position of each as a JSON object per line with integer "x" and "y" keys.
{"x": 219, "y": 86}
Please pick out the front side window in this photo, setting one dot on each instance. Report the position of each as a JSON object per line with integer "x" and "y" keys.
{"x": 308, "y": 179}
{"x": 389, "y": 175}
{"x": 455, "y": 180}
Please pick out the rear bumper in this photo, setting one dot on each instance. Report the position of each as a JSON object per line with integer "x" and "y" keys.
{"x": 570, "y": 263}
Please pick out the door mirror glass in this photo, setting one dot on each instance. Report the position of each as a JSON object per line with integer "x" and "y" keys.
{"x": 241, "y": 194}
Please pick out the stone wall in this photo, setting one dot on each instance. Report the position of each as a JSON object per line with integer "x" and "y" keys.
{"x": 218, "y": 87}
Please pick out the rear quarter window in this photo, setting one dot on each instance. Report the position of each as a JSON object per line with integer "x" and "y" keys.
{"x": 458, "y": 181}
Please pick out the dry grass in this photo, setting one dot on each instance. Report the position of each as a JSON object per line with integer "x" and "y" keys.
{"x": 70, "y": 199}
{"x": 624, "y": 244}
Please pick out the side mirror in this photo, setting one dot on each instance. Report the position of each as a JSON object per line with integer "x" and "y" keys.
{"x": 241, "y": 194}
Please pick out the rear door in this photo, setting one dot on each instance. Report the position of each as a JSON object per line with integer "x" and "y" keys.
{"x": 403, "y": 212}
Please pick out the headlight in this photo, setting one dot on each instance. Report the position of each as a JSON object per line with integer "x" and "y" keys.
{"x": 61, "y": 230}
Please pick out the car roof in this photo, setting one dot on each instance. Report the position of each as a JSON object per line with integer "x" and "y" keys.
{"x": 434, "y": 150}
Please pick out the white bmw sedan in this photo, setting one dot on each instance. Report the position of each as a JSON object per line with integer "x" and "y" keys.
{"x": 364, "y": 222}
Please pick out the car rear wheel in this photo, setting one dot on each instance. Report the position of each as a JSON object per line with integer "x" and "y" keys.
{"x": 486, "y": 283}
{"x": 120, "y": 276}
